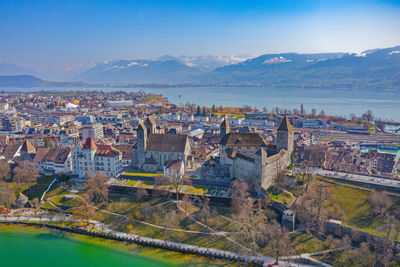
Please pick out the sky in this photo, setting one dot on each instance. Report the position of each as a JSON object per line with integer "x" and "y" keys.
{"x": 52, "y": 35}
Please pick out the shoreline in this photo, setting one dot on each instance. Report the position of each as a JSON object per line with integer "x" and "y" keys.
{"x": 164, "y": 256}
{"x": 183, "y": 249}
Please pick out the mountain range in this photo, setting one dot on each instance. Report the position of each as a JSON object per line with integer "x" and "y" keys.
{"x": 377, "y": 68}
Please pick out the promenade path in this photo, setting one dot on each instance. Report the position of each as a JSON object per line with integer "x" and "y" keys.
{"x": 266, "y": 261}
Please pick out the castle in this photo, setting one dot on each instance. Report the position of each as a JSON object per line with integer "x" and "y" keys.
{"x": 153, "y": 150}
{"x": 249, "y": 157}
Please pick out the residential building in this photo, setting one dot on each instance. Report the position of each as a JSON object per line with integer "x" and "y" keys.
{"x": 94, "y": 131}
{"x": 90, "y": 157}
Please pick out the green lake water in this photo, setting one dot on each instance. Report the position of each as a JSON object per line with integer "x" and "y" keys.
{"x": 39, "y": 249}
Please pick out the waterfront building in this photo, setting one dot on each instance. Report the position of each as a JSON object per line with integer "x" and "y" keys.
{"x": 90, "y": 157}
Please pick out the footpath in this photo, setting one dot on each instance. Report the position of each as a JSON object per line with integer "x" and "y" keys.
{"x": 103, "y": 231}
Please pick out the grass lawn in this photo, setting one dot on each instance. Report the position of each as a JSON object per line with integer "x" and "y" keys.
{"x": 18, "y": 188}
{"x": 56, "y": 190}
{"x": 143, "y": 174}
{"x": 282, "y": 197}
{"x": 357, "y": 211}
{"x": 63, "y": 201}
{"x": 37, "y": 189}
{"x": 307, "y": 243}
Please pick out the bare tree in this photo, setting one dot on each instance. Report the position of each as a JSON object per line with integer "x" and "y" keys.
{"x": 97, "y": 189}
{"x": 239, "y": 193}
{"x": 186, "y": 202}
{"x": 170, "y": 221}
{"x": 85, "y": 209}
{"x": 380, "y": 202}
{"x": 279, "y": 240}
{"x": 7, "y": 196}
{"x": 250, "y": 227}
{"x": 25, "y": 172}
{"x": 311, "y": 208}
{"x": 177, "y": 183}
{"x": 205, "y": 210}
{"x": 5, "y": 171}
{"x": 367, "y": 116}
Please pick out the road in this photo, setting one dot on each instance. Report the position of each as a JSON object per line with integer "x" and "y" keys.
{"x": 366, "y": 179}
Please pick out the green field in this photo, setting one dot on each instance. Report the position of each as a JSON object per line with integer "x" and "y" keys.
{"x": 356, "y": 209}
{"x": 143, "y": 174}
{"x": 282, "y": 197}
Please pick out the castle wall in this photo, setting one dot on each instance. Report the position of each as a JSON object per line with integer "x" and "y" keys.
{"x": 244, "y": 169}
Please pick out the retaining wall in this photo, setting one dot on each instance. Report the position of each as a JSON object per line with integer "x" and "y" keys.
{"x": 156, "y": 243}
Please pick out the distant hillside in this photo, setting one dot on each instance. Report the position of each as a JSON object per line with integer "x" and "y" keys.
{"x": 139, "y": 71}
{"x": 32, "y": 81}
{"x": 375, "y": 68}
{"x": 21, "y": 81}
{"x": 205, "y": 63}
{"x": 11, "y": 69}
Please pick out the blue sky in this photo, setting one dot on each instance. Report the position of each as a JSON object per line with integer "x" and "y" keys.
{"x": 57, "y": 34}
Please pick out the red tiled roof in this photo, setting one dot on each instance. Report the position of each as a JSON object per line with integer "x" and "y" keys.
{"x": 89, "y": 144}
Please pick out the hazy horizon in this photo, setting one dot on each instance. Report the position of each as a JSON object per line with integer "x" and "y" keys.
{"x": 52, "y": 36}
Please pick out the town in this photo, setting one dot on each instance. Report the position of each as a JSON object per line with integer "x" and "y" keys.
{"x": 252, "y": 182}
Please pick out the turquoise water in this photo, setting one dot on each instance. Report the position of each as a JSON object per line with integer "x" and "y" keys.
{"x": 49, "y": 250}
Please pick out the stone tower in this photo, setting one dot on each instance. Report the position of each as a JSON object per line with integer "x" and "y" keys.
{"x": 141, "y": 143}
{"x": 150, "y": 125}
{"x": 224, "y": 129}
{"x": 260, "y": 159}
{"x": 285, "y": 136}
{"x": 141, "y": 133}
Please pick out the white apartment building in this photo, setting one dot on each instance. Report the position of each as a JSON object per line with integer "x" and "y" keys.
{"x": 53, "y": 160}
{"x": 96, "y": 158}
{"x": 94, "y": 131}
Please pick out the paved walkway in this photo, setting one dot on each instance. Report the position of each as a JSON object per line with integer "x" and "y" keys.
{"x": 370, "y": 180}
{"x": 151, "y": 241}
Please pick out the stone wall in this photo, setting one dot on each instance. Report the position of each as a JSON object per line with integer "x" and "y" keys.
{"x": 157, "y": 243}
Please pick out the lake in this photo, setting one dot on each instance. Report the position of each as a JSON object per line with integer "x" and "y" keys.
{"x": 41, "y": 248}
{"x": 384, "y": 103}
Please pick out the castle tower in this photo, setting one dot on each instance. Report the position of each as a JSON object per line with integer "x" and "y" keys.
{"x": 141, "y": 137}
{"x": 285, "y": 136}
{"x": 150, "y": 125}
{"x": 224, "y": 129}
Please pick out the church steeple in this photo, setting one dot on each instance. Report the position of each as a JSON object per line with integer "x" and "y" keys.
{"x": 224, "y": 129}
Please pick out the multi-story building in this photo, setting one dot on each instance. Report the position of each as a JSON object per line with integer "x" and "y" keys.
{"x": 53, "y": 160}
{"x": 15, "y": 124}
{"x": 94, "y": 131}
{"x": 85, "y": 119}
{"x": 89, "y": 157}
